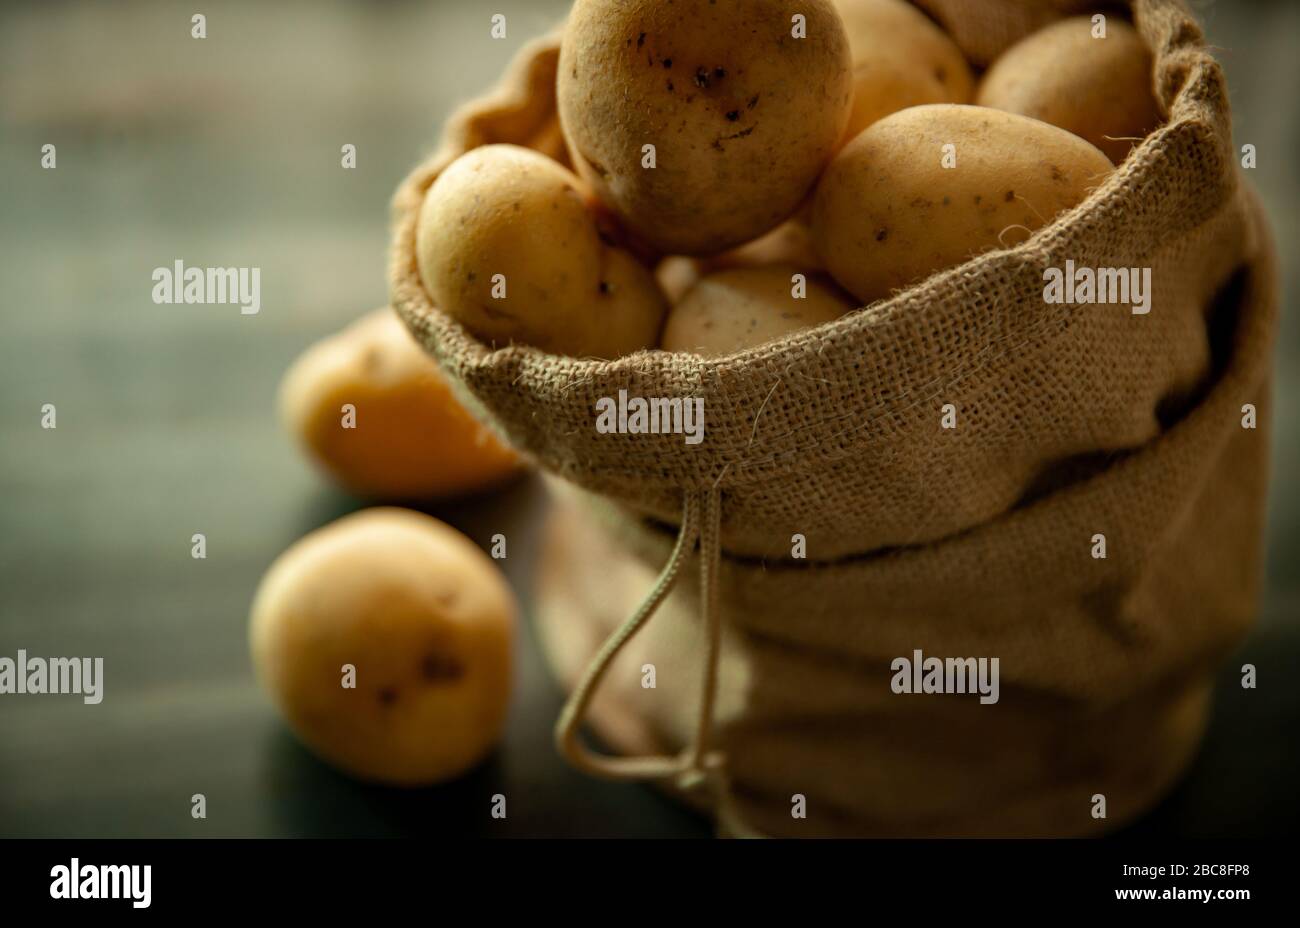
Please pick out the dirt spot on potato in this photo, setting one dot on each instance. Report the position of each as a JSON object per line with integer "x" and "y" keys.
{"x": 706, "y": 78}
{"x": 743, "y": 133}
{"x": 387, "y": 696}
{"x": 447, "y": 598}
{"x": 495, "y": 313}
{"x": 439, "y": 668}
{"x": 372, "y": 360}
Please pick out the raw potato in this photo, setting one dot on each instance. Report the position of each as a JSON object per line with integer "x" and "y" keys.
{"x": 425, "y": 619}
{"x": 885, "y": 85}
{"x": 790, "y": 243}
{"x": 896, "y": 27}
{"x": 412, "y": 437}
{"x": 887, "y": 213}
{"x": 676, "y": 275}
{"x": 742, "y": 115}
{"x": 737, "y": 309}
{"x": 901, "y": 58}
{"x": 1098, "y": 88}
{"x": 507, "y": 245}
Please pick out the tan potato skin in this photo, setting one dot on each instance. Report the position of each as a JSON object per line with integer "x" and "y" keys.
{"x": 887, "y": 214}
{"x": 901, "y": 58}
{"x": 743, "y": 116}
{"x": 897, "y": 27}
{"x": 790, "y": 243}
{"x": 413, "y": 439}
{"x": 736, "y": 309}
{"x": 886, "y": 85}
{"x": 424, "y": 617}
{"x": 1099, "y": 89}
{"x": 506, "y": 210}
{"x": 676, "y": 275}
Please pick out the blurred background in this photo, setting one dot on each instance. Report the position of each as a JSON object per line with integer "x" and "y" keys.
{"x": 226, "y": 152}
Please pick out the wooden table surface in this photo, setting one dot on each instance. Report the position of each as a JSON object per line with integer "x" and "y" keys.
{"x": 225, "y": 151}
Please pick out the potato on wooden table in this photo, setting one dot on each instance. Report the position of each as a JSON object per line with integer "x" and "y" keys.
{"x": 386, "y": 639}
{"x": 376, "y": 413}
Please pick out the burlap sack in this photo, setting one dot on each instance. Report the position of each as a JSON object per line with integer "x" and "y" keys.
{"x": 1072, "y": 421}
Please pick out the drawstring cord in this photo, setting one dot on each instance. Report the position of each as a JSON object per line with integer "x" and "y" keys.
{"x": 696, "y": 765}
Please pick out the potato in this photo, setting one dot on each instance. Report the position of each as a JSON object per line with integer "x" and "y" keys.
{"x": 888, "y": 213}
{"x": 507, "y": 245}
{"x": 426, "y": 621}
{"x": 737, "y": 309}
{"x": 742, "y": 115}
{"x": 899, "y": 29}
{"x": 1098, "y": 88}
{"x": 790, "y": 243}
{"x": 676, "y": 275}
{"x": 900, "y": 59}
{"x": 886, "y": 85}
{"x": 412, "y": 439}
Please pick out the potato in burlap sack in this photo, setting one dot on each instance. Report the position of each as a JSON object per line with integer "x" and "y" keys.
{"x": 1072, "y": 422}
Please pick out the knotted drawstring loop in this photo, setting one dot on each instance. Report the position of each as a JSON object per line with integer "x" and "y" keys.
{"x": 701, "y": 520}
